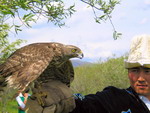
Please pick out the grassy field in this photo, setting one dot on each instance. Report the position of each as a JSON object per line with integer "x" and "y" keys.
{"x": 11, "y": 107}
{"x": 92, "y": 78}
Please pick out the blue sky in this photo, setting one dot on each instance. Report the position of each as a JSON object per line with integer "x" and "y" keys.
{"x": 131, "y": 18}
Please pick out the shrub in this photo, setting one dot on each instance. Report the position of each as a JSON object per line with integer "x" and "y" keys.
{"x": 94, "y": 77}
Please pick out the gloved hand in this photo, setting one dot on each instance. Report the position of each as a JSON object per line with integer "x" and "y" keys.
{"x": 59, "y": 99}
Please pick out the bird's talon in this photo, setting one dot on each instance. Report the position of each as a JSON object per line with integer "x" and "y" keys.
{"x": 40, "y": 96}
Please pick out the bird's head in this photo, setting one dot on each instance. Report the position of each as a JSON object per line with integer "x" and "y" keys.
{"x": 72, "y": 51}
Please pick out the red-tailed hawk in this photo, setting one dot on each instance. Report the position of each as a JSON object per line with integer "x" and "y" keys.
{"x": 29, "y": 62}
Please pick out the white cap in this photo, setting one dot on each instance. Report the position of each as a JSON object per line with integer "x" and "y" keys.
{"x": 139, "y": 54}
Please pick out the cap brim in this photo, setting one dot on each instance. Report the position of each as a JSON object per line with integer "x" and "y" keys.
{"x": 136, "y": 64}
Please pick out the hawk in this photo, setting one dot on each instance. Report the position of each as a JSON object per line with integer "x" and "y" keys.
{"x": 30, "y": 62}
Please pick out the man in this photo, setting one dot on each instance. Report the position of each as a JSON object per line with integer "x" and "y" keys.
{"x": 136, "y": 98}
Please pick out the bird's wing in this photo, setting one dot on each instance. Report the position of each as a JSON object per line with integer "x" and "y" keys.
{"x": 25, "y": 65}
{"x": 21, "y": 78}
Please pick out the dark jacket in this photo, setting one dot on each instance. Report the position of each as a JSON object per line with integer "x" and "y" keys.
{"x": 111, "y": 100}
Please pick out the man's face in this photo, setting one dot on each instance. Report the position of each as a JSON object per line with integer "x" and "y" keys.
{"x": 140, "y": 80}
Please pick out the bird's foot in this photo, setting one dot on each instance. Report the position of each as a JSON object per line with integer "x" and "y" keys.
{"x": 40, "y": 96}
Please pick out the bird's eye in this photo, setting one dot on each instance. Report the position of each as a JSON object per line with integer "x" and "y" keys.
{"x": 74, "y": 50}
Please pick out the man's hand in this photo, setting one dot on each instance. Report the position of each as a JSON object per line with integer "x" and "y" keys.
{"x": 25, "y": 97}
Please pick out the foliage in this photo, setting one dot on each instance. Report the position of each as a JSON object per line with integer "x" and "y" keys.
{"x": 28, "y": 11}
{"x": 105, "y": 7}
{"x": 94, "y": 77}
{"x": 11, "y": 107}
{"x": 6, "y": 48}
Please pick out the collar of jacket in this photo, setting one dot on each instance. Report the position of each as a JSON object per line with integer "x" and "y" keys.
{"x": 136, "y": 96}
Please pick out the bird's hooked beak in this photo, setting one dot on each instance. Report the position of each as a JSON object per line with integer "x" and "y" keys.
{"x": 80, "y": 55}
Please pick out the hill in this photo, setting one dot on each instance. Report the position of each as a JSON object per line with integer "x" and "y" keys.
{"x": 77, "y": 63}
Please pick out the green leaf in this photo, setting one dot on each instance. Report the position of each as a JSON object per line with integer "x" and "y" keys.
{"x": 116, "y": 35}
